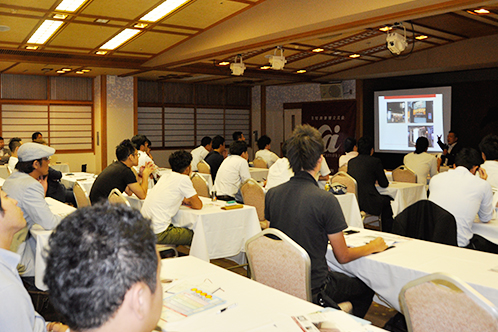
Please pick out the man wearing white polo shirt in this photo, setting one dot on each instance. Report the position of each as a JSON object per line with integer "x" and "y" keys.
{"x": 489, "y": 150}
{"x": 200, "y": 152}
{"x": 170, "y": 192}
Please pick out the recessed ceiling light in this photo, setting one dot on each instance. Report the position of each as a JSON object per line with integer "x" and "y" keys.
{"x": 421, "y": 37}
{"x": 140, "y": 25}
{"x": 59, "y": 16}
{"x": 60, "y": 72}
{"x": 224, "y": 63}
{"x": 385, "y": 29}
{"x": 101, "y": 21}
{"x": 70, "y": 5}
{"x": 162, "y": 10}
{"x": 45, "y": 31}
{"x": 31, "y": 47}
{"x": 66, "y": 69}
{"x": 301, "y": 71}
{"x": 86, "y": 70}
{"x": 119, "y": 39}
{"x": 265, "y": 67}
{"x": 101, "y": 52}
{"x": 354, "y": 56}
{"x": 317, "y": 50}
{"x": 80, "y": 72}
{"x": 481, "y": 11}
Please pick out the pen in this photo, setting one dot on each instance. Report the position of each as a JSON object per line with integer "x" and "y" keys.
{"x": 233, "y": 305}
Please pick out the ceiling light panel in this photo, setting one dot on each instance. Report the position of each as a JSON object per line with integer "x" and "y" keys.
{"x": 119, "y": 39}
{"x": 70, "y": 5}
{"x": 45, "y": 31}
{"x": 162, "y": 10}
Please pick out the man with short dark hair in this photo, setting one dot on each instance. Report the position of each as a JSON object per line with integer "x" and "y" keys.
{"x": 421, "y": 162}
{"x": 312, "y": 217}
{"x": 351, "y": 151}
{"x": 171, "y": 191}
{"x": 489, "y": 150}
{"x": 36, "y": 135}
{"x": 14, "y": 145}
{"x": 450, "y": 150}
{"x": 119, "y": 175}
{"x": 103, "y": 270}
{"x": 28, "y": 186}
{"x": 233, "y": 172}
{"x": 141, "y": 143}
{"x": 216, "y": 156}
{"x": 4, "y": 152}
{"x": 264, "y": 152}
{"x": 464, "y": 195}
{"x": 368, "y": 170}
{"x": 200, "y": 152}
{"x": 238, "y": 136}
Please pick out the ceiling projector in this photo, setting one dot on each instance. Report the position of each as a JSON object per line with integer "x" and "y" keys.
{"x": 396, "y": 43}
{"x": 237, "y": 68}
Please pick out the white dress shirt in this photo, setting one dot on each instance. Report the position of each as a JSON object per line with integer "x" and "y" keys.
{"x": 280, "y": 172}
{"x": 233, "y": 172}
{"x": 491, "y": 167}
{"x": 198, "y": 154}
{"x": 422, "y": 164}
{"x": 343, "y": 160}
{"x": 463, "y": 195}
{"x": 143, "y": 158}
{"x": 269, "y": 157}
{"x": 164, "y": 200}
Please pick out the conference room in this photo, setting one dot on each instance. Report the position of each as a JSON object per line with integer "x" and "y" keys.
{"x": 210, "y": 68}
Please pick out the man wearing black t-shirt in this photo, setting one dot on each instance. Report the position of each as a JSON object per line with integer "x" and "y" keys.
{"x": 216, "y": 156}
{"x": 312, "y": 217}
{"x": 119, "y": 175}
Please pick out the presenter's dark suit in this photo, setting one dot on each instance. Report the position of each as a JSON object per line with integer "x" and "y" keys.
{"x": 367, "y": 170}
{"x": 449, "y": 158}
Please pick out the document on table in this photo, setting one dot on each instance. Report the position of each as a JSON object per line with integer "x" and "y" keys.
{"x": 360, "y": 239}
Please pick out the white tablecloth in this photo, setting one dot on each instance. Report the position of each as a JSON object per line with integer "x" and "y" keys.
{"x": 256, "y": 307}
{"x": 217, "y": 233}
{"x": 387, "y": 272}
{"x": 63, "y": 167}
{"x": 258, "y": 174}
{"x": 41, "y": 235}
{"x": 350, "y": 209}
{"x": 404, "y": 194}
{"x": 86, "y": 180}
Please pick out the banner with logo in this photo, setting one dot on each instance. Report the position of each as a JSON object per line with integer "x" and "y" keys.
{"x": 336, "y": 121}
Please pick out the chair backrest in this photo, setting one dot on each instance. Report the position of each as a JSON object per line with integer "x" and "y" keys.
{"x": 345, "y": 179}
{"x": 200, "y": 185}
{"x": 281, "y": 264}
{"x": 404, "y": 174}
{"x": 259, "y": 163}
{"x": 81, "y": 196}
{"x": 203, "y": 167}
{"x": 116, "y": 197}
{"x": 254, "y": 195}
{"x": 441, "y": 302}
{"x": 425, "y": 220}
{"x": 344, "y": 168}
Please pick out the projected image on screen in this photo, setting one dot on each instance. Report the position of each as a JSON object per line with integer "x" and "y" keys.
{"x": 420, "y": 111}
{"x": 414, "y": 132}
{"x": 396, "y": 112}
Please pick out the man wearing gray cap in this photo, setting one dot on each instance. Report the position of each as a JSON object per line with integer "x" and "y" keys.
{"x": 28, "y": 187}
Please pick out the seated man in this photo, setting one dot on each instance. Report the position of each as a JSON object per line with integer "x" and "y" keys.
{"x": 312, "y": 217}
{"x": 103, "y": 270}
{"x": 464, "y": 195}
{"x": 280, "y": 172}
{"x": 489, "y": 150}
{"x": 233, "y": 172}
{"x": 4, "y": 152}
{"x": 351, "y": 151}
{"x": 36, "y": 135}
{"x": 14, "y": 145}
{"x": 200, "y": 152}
{"x": 368, "y": 170}
{"x": 164, "y": 201}
{"x": 216, "y": 156}
{"x": 119, "y": 175}
{"x": 16, "y": 309}
{"x": 421, "y": 162}
{"x": 264, "y": 151}
{"x": 141, "y": 143}
{"x": 28, "y": 186}
{"x": 238, "y": 136}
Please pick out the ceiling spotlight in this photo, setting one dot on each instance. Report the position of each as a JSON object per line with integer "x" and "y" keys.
{"x": 31, "y": 47}
{"x": 385, "y": 28}
{"x": 101, "y": 52}
{"x": 354, "y": 56}
{"x": 264, "y": 67}
{"x": 237, "y": 68}
{"x": 224, "y": 63}
{"x": 396, "y": 43}
{"x": 301, "y": 71}
{"x": 277, "y": 62}
{"x": 421, "y": 37}
{"x": 480, "y": 11}
{"x": 318, "y": 50}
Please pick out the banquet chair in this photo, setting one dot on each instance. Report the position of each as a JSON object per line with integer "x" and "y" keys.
{"x": 254, "y": 195}
{"x": 441, "y": 302}
{"x": 404, "y": 174}
{"x": 81, "y": 196}
{"x": 116, "y": 197}
{"x": 203, "y": 167}
{"x": 259, "y": 163}
{"x": 281, "y": 263}
{"x": 200, "y": 184}
{"x": 343, "y": 168}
